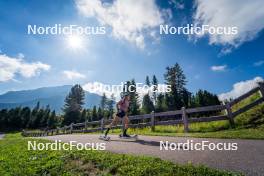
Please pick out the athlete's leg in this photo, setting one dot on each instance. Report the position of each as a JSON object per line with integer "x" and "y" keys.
{"x": 126, "y": 123}
{"x": 114, "y": 122}
{"x": 126, "y": 119}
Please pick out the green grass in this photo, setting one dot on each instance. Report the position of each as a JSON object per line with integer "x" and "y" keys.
{"x": 16, "y": 160}
{"x": 246, "y": 101}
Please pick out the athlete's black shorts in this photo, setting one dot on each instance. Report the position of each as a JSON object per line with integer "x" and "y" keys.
{"x": 121, "y": 114}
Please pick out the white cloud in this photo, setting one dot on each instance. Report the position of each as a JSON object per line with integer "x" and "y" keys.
{"x": 259, "y": 63}
{"x": 219, "y": 68}
{"x": 129, "y": 20}
{"x": 248, "y": 16}
{"x": 9, "y": 67}
{"x": 71, "y": 74}
{"x": 240, "y": 88}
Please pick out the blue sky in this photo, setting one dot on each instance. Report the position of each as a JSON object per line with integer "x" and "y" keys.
{"x": 132, "y": 46}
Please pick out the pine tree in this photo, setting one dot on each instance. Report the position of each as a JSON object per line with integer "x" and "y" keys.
{"x": 15, "y": 120}
{"x": 33, "y": 116}
{"x": 103, "y": 102}
{"x": 161, "y": 105}
{"x": 94, "y": 114}
{"x": 205, "y": 98}
{"x": 89, "y": 115}
{"x": 186, "y": 98}
{"x": 83, "y": 115}
{"x": 175, "y": 77}
{"x": 51, "y": 122}
{"x": 39, "y": 116}
{"x": 154, "y": 89}
{"x": 45, "y": 117}
{"x": 100, "y": 113}
{"x": 110, "y": 106}
{"x": 147, "y": 104}
{"x": 147, "y": 81}
{"x": 25, "y": 116}
{"x": 73, "y": 105}
{"x": 134, "y": 105}
{"x": 3, "y": 119}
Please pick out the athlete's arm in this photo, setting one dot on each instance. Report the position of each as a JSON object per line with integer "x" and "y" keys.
{"x": 118, "y": 105}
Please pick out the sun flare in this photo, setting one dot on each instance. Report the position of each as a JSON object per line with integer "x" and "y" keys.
{"x": 75, "y": 42}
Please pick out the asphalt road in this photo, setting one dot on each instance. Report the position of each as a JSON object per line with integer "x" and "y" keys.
{"x": 248, "y": 158}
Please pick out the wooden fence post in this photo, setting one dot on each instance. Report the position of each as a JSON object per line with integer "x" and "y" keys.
{"x": 71, "y": 128}
{"x": 152, "y": 121}
{"x": 85, "y": 126}
{"x": 261, "y": 88}
{"x": 102, "y": 125}
{"x": 230, "y": 115}
{"x": 185, "y": 120}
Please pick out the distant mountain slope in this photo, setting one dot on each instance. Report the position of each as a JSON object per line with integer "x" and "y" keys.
{"x": 52, "y": 96}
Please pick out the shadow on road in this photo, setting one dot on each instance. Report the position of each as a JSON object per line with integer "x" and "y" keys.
{"x": 142, "y": 142}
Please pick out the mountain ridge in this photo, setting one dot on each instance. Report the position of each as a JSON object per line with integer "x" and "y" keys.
{"x": 52, "y": 96}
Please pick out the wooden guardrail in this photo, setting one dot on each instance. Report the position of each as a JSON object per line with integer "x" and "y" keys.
{"x": 150, "y": 120}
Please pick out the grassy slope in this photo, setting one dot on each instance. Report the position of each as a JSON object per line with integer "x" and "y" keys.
{"x": 15, "y": 159}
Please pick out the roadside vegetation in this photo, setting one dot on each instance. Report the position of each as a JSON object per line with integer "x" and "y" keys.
{"x": 15, "y": 159}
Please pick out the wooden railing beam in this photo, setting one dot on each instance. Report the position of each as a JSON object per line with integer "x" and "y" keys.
{"x": 261, "y": 88}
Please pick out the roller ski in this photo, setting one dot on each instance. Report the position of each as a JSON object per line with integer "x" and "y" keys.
{"x": 126, "y": 136}
{"x": 105, "y": 138}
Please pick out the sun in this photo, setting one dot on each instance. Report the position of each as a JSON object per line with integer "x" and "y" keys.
{"x": 75, "y": 42}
